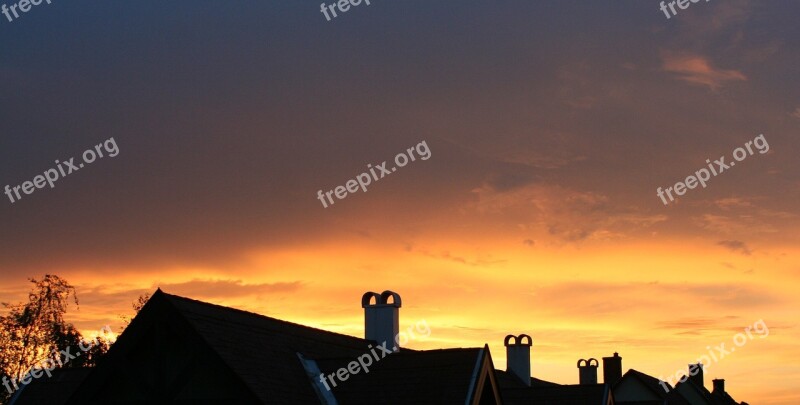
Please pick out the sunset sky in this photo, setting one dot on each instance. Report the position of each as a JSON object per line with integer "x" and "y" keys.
{"x": 550, "y": 125}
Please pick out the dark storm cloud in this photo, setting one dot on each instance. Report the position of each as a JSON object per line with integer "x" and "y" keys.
{"x": 230, "y": 116}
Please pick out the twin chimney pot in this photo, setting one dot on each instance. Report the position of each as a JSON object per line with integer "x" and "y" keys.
{"x": 587, "y": 371}
{"x": 382, "y": 318}
{"x": 518, "y": 357}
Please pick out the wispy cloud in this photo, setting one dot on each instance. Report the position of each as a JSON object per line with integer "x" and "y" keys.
{"x": 732, "y": 202}
{"x": 736, "y": 224}
{"x": 478, "y": 261}
{"x": 697, "y": 69}
{"x": 226, "y": 288}
{"x": 736, "y": 246}
{"x": 730, "y": 13}
{"x": 590, "y": 301}
{"x": 565, "y": 214}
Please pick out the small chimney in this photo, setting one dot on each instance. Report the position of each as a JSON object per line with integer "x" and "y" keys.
{"x": 696, "y": 374}
{"x": 382, "y": 319}
{"x": 612, "y": 369}
{"x": 719, "y": 386}
{"x": 587, "y": 371}
{"x": 518, "y": 357}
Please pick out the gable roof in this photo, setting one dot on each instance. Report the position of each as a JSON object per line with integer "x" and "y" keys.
{"x": 53, "y": 390}
{"x": 258, "y": 351}
{"x": 263, "y": 350}
{"x": 713, "y": 398}
{"x": 654, "y": 385}
{"x": 723, "y": 398}
{"x": 508, "y": 380}
{"x": 546, "y": 392}
{"x": 446, "y": 376}
{"x": 577, "y": 394}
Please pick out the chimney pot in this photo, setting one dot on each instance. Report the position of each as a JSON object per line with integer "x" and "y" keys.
{"x": 612, "y": 369}
{"x": 696, "y": 374}
{"x": 719, "y": 386}
{"x": 587, "y": 372}
{"x": 382, "y": 318}
{"x": 518, "y": 357}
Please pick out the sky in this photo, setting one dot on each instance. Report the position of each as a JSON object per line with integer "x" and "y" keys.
{"x": 550, "y": 127}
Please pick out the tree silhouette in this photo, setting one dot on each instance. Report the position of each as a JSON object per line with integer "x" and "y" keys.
{"x": 35, "y": 330}
{"x": 137, "y": 306}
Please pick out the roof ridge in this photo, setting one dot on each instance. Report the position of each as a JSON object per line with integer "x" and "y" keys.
{"x": 250, "y": 313}
{"x": 406, "y": 352}
{"x": 652, "y": 383}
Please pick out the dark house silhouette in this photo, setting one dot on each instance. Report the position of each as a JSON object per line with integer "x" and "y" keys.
{"x": 181, "y": 351}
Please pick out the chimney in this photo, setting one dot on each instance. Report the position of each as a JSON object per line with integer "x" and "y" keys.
{"x": 612, "y": 369}
{"x": 696, "y": 374}
{"x": 719, "y": 386}
{"x": 588, "y": 371}
{"x": 382, "y": 319}
{"x": 518, "y": 357}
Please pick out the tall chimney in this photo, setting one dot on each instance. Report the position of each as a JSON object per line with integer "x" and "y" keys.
{"x": 612, "y": 369}
{"x": 382, "y": 319}
{"x": 588, "y": 371}
{"x": 518, "y": 357}
{"x": 696, "y": 374}
{"x": 719, "y": 386}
